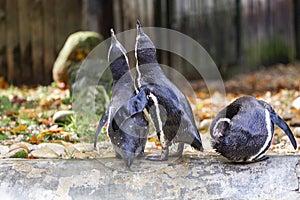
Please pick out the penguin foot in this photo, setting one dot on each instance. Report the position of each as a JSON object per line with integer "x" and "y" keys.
{"x": 141, "y": 155}
{"x": 164, "y": 155}
{"x": 179, "y": 151}
{"x": 118, "y": 155}
{"x": 155, "y": 158}
{"x": 261, "y": 159}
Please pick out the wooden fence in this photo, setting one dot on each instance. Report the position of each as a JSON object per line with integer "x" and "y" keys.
{"x": 234, "y": 32}
{"x": 31, "y": 34}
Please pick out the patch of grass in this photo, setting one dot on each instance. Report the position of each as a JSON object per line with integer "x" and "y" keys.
{"x": 3, "y": 136}
{"x": 6, "y": 105}
{"x": 27, "y": 121}
{"x": 4, "y": 122}
{"x": 82, "y": 125}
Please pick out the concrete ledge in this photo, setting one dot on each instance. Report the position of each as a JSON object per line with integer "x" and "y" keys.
{"x": 192, "y": 177}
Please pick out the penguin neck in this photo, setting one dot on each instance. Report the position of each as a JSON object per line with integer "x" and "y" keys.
{"x": 119, "y": 73}
{"x": 146, "y": 56}
{"x": 147, "y": 62}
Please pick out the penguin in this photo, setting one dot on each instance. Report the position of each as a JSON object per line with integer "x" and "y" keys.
{"x": 243, "y": 131}
{"x": 167, "y": 106}
{"x": 127, "y": 134}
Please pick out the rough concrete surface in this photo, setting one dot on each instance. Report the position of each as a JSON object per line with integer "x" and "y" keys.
{"x": 191, "y": 177}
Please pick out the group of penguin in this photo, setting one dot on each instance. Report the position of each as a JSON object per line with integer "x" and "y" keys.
{"x": 241, "y": 132}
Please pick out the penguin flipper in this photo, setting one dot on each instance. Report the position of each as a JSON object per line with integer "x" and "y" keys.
{"x": 136, "y": 104}
{"x": 276, "y": 119}
{"x": 102, "y": 122}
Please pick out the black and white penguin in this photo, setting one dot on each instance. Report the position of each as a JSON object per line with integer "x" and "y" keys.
{"x": 243, "y": 131}
{"x": 168, "y": 107}
{"x": 127, "y": 134}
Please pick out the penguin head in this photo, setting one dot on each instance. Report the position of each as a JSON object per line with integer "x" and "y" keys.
{"x": 220, "y": 128}
{"x": 117, "y": 58}
{"x": 131, "y": 147}
{"x": 145, "y": 51}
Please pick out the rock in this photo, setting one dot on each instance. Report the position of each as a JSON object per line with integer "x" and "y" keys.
{"x": 24, "y": 145}
{"x": 90, "y": 73}
{"x": 57, "y": 148}
{"x": 297, "y": 132}
{"x": 84, "y": 147}
{"x": 91, "y": 101}
{"x": 17, "y": 153}
{"x": 77, "y": 46}
{"x": 192, "y": 177}
{"x": 295, "y": 122}
{"x": 63, "y": 116}
{"x": 288, "y": 116}
{"x": 205, "y": 124}
{"x": 79, "y": 155}
{"x": 4, "y": 149}
{"x": 44, "y": 152}
{"x": 296, "y": 103}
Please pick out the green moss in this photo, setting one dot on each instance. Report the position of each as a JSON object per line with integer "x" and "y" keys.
{"x": 275, "y": 51}
{"x": 20, "y": 154}
{"x": 269, "y": 52}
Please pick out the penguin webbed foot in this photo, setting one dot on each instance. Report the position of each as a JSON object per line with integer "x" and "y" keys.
{"x": 141, "y": 155}
{"x": 118, "y": 155}
{"x": 163, "y": 157}
{"x": 179, "y": 151}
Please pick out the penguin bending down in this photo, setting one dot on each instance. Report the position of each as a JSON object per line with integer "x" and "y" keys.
{"x": 243, "y": 131}
{"x": 127, "y": 134}
{"x": 168, "y": 107}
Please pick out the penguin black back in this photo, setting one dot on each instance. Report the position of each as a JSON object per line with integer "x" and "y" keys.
{"x": 127, "y": 134}
{"x": 243, "y": 131}
{"x": 149, "y": 72}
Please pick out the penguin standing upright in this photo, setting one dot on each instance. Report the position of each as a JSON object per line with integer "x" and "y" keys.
{"x": 127, "y": 134}
{"x": 243, "y": 131}
{"x": 168, "y": 107}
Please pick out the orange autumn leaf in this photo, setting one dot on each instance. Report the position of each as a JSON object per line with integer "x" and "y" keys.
{"x": 30, "y": 156}
{"x": 156, "y": 141}
{"x": 19, "y": 128}
{"x": 56, "y": 130}
{"x": 4, "y": 129}
{"x": 34, "y": 140}
{"x": 40, "y": 137}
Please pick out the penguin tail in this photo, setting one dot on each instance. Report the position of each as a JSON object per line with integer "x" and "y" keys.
{"x": 197, "y": 144}
{"x": 277, "y": 120}
{"x": 281, "y": 124}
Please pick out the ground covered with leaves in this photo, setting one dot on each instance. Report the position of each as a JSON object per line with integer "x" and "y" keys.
{"x": 28, "y": 130}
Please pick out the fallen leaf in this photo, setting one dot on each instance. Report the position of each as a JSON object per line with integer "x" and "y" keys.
{"x": 34, "y": 140}
{"x": 19, "y": 128}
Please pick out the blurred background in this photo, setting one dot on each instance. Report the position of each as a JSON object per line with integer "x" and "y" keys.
{"x": 240, "y": 35}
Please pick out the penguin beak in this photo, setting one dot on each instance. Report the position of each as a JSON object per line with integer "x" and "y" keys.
{"x": 129, "y": 160}
{"x": 142, "y": 40}
{"x": 113, "y": 37}
{"x": 139, "y": 28}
